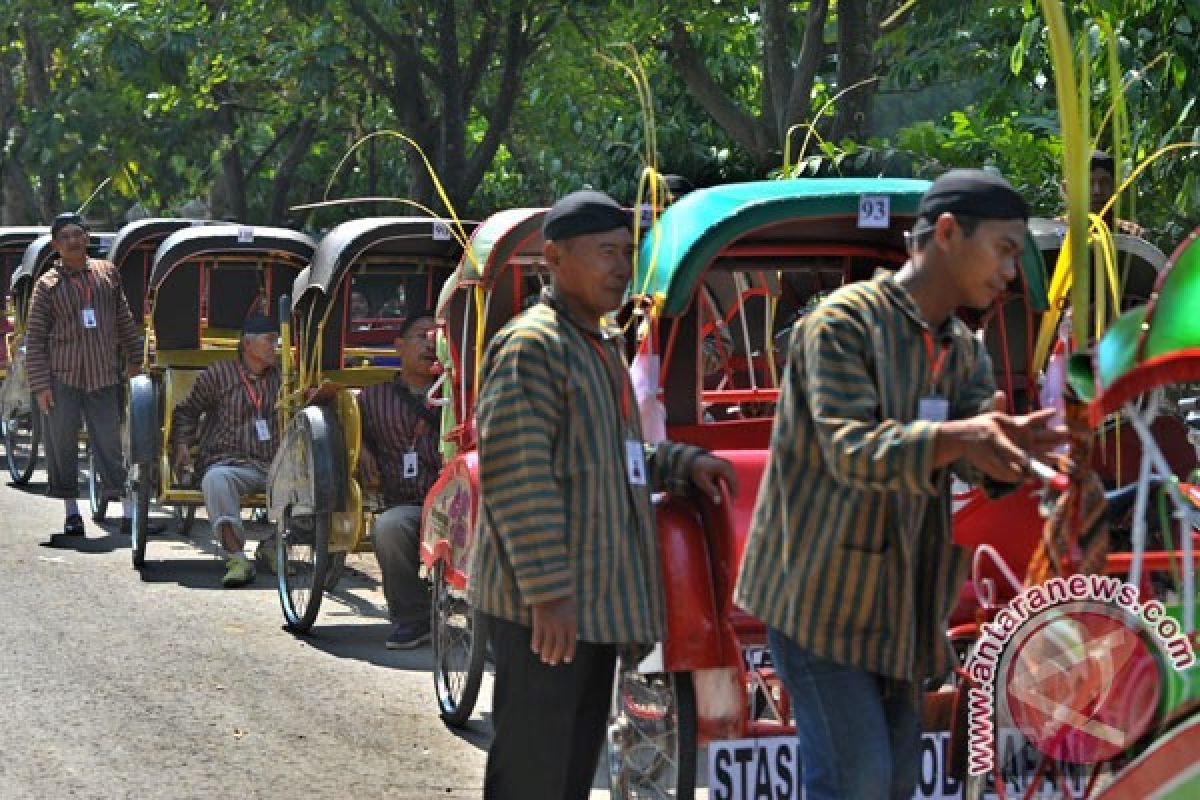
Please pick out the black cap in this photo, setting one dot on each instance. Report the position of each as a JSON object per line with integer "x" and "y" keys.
{"x": 584, "y": 212}
{"x": 259, "y": 322}
{"x": 975, "y": 193}
{"x": 1104, "y": 161}
{"x": 65, "y": 219}
{"x": 677, "y": 185}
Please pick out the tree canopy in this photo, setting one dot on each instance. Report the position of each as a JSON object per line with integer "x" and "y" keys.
{"x": 244, "y": 109}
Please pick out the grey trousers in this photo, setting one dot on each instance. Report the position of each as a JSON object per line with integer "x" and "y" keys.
{"x": 224, "y": 486}
{"x": 101, "y": 411}
{"x": 397, "y": 535}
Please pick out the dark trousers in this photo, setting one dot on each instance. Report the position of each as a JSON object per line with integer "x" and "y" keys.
{"x": 549, "y": 722}
{"x": 101, "y": 410}
{"x": 397, "y": 535}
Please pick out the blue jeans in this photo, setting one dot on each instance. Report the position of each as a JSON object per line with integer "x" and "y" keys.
{"x": 859, "y": 734}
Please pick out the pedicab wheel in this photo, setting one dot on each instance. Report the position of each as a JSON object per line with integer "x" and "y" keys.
{"x": 302, "y": 556}
{"x": 337, "y": 568}
{"x": 97, "y": 499}
{"x": 22, "y": 436}
{"x": 139, "y": 525}
{"x": 459, "y": 638}
{"x": 652, "y": 736}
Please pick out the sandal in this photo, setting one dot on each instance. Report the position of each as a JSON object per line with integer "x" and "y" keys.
{"x": 73, "y": 525}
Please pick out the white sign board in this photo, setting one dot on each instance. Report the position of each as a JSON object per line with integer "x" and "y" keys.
{"x": 245, "y": 233}
{"x": 441, "y": 230}
{"x": 874, "y": 211}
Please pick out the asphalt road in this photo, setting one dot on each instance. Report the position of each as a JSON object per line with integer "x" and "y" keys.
{"x": 165, "y": 685}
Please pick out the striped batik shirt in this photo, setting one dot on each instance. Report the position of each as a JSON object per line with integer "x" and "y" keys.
{"x": 849, "y": 552}
{"x": 220, "y": 413}
{"x": 59, "y": 345}
{"x": 396, "y": 422}
{"x": 558, "y": 515}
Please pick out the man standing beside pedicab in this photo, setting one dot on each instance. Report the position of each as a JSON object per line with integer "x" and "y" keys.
{"x": 565, "y": 564}
{"x": 850, "y": 561}
{"x": 81, "y": 342}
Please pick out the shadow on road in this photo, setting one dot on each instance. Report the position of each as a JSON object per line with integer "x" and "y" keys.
{"x": 86, "y": 544}
{"x": 33, "y": 487}
{"x": 196, "y": 573}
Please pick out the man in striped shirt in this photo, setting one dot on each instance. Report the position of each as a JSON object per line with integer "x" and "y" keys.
{"x": 80, "y": 342}
{"x": 400, "y": 455}
{"x": 849, "y": 560}
{"x": 565, "y": 564}
{"x": 230, "y": 412}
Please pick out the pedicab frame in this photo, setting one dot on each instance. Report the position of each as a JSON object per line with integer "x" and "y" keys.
{"x": 13, "y": 243}
{"x": 706, "y": 682}
{"x": 253, "y": 264}
{"x": 313, "y": 493}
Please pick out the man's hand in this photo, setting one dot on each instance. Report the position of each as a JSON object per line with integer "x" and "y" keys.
{"x": 368, "y": 469}
{"x": 707, "y": 470}
{"x": 45, "y": 400}
{"x": 555, "y": 630}
{"x": 998, "y": 444}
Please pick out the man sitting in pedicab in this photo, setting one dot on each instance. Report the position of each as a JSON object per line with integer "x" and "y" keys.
{"x": 230, "y": 413}
{"x": 400, "y": 456}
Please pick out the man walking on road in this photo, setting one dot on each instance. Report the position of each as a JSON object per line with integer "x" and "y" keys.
{"x": 565, "y": 564}
{"x": 849, "y": 561}
{"x": 81, "y": 342}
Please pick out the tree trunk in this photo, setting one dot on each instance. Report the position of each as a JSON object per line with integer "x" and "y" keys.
{"x": 856, "y": 64}
{"x": 232, "y": 197}
{"x": 281, "y": 186}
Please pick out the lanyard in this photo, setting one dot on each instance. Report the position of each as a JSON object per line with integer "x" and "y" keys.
{"x": 626, "y": 402}
{"x": 253, "y": 394}
{"x": 84, "y": 287}
{"x": 417, "y": 433}
{"x": 935, "y": 363}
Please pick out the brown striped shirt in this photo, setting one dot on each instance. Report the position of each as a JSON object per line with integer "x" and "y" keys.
{"x": 220, "y": 412}
{"x": 396, "y": 422}
{"x": 58, "y": 345}
{"x": 849, "y": 551}
{"x": 558, "y": 515}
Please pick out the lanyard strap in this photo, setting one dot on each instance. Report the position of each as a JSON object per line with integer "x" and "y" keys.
{"x": 254, "y": 395}
{"x": 417, "y": 433}
{"x": 615, "y": 379}
{"x": 935, "y": 363}
{"x": 84, "y": 290}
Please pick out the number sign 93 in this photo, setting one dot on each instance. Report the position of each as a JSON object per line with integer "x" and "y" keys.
{"x": 874, "y": 211}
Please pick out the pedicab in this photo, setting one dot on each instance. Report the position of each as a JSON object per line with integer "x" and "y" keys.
{"x": 500, "y": 274}
{"x": 731, "y": 269}
{"x": 132, "y": 253}
{"x": 203, "y": 283}
{"x": 18, "y": 412}
{"x": 321, "y": 511}
{"x": 13, "y": 241}
{"x": 1151, "y": 702}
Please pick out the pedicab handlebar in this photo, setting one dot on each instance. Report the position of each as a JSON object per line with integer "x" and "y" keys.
{"x": 1049, "y": 475}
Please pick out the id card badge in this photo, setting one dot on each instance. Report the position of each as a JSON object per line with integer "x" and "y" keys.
{"x": 410, "y": 464}
{"x": 933, "y": 408}
{"x": 635, "y": 462}
{"x": 263, "y": 430}
{"x": 89, "y": 317}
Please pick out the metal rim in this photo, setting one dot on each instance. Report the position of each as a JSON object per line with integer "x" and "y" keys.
{"x": 458, "y": 649}
{"x": 21, "y": 441}
{"x": 652, "y": 736}
{"x": 302, "y": 557}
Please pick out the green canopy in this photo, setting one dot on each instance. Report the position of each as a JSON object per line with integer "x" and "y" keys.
{"x": 494, "y": 242}
{"x": 691, "y": 233}
{"x": 1149, "y": 346}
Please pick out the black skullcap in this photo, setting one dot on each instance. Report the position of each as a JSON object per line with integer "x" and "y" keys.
{"x": 1104, "y": 161}
{"x": 259, "y": 322}
{"x": 65, "y": 219}
{"x": 584, "y": 212}
{"x": 975, "y": 193}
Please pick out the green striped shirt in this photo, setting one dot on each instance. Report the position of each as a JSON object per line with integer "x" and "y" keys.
{"x": 849, "y": 551}
{"x": 558, "y": 515}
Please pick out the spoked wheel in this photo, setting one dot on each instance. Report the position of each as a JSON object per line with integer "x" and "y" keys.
{"x": 652, "y": 736}
{"x": 337, "y": 568}
{"x": 302, "y": 556}
{"x": 140, "y": 524}
{"x": 459, "y": 644}
{"x": 22, "y": 437}
{"x": 97, "y": 494}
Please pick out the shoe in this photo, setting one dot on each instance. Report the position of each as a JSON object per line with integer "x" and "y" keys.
{"x": 264, "y": 556}
{"x": 238, "y": 572}
{"x": 73, "y": 525}
{"x": 152, "y": 528}
{"x": 407, "y": 636}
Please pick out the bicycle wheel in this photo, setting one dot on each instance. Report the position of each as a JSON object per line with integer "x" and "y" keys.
{"x": 337, "y": 568}
{"x": 459, "y": 644}
{"x": 302, "y": 559}
{"x": 652, "y": 736}
{"x": 97, "y": 494}
{"x": 22, "y": 437}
